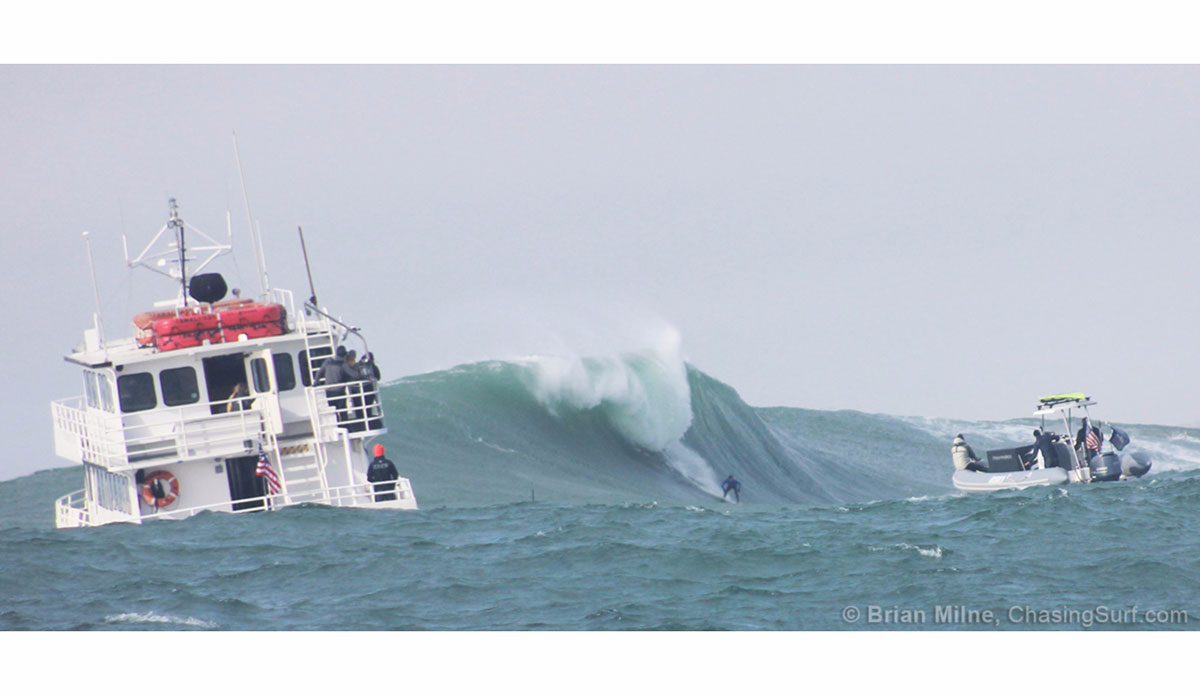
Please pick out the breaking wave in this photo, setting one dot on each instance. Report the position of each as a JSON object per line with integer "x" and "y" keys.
{"x": 647, "y": 425}
{"x": 639, "y": 425}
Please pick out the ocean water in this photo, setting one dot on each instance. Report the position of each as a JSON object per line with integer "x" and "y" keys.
{"x": 567, "y": 493}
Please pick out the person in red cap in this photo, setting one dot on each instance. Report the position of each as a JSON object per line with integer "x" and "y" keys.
{"x": 382, "y": 472}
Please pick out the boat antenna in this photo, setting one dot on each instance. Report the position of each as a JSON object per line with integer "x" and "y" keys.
{"x": 258, "y": 262}
{"x": 177, "y": 224}
{"x": 95, "y": 289}
{"x": 159, "y": 261}
{"x": 312, "y": 299}
{"x": 266, "y": 277}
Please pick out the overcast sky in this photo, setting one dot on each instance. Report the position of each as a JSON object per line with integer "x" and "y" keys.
{"x": 944, "y": 241}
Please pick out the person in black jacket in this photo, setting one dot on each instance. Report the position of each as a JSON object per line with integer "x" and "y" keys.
{"x": 382, "y": 473}
{"x": 350, "y": 367}
{"x": 350, "y": 377}
{"x": 333, "y": 372}
{"x": 368, "y": 373}
{"x": 1045, "y": 445}
{"x": 1085, "y": 449}
{"x": 332, "y": 368}
{"x": 368, "y": 368}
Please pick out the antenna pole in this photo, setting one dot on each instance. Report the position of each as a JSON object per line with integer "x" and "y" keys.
{"x": 177, "y": 224}
{"x": 266, "y": 277}
{"x": 312, "y": 299}
{"x": 258, "y": 263}
{"x": 95, "y": 289}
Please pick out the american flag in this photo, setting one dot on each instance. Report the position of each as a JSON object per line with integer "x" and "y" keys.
{"x": 1092, "y": 440}
{"x": 265, "y": 470}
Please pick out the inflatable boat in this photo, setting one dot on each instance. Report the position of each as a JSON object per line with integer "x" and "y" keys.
{"x": 979, "y": 481}
{"x": 1083, "y": 457}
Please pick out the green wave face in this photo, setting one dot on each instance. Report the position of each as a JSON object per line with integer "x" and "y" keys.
{"x": 637, "y": 427}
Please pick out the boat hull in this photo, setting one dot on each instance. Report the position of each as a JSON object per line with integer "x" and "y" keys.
{"x": 974, "y": 481}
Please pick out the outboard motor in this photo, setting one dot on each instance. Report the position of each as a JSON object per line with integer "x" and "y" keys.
{"x": 1106, "y": 466}
{"x": 1134, "y": 464}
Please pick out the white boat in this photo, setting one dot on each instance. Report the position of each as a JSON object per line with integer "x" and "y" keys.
{"x": 978, "y": 481}
{"x": 161, "y": 432}
{"x": 1022, "y": 467}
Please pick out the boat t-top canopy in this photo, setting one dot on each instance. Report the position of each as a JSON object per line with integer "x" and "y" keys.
{"x": 1062, "y": 401}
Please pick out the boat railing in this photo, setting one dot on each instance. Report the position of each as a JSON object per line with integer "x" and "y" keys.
{"x": 307, "y": 319}
{"x": 352, "y": 495}
{"x": 367, "y": 494}
{"x": 276, "y": 295}
{"x": 353, "y": 406}
{"x": 209, "y": 429}
{"x": 70, "y": 511}
{"x": 82, "y": 433}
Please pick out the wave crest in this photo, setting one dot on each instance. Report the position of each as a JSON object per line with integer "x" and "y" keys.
{"x": 644, "y": 395}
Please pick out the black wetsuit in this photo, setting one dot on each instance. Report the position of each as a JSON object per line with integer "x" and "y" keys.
{"x": 383, "y": 472}
{"x": 1045, "y": 444}
{"x": 731, "y": 484}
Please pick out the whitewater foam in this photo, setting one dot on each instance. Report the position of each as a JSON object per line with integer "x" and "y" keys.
{"x": 1174, "y": 454}
{"x": 496, "y": 447}
{"x": 154, "y": 618}
{"x": 1003, "y": 431}
{"x": 934, "y": 552}
{"x": 644, "y": 394}
{"x": 692, "y": 466}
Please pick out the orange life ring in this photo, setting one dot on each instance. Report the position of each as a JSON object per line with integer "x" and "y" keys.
{"x": 171, "y": 489}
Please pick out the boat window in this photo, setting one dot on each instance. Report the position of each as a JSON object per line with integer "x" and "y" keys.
{"x": 179, "y": 386}
{"x": 136, "y": 392}
{"x": 92, "y": 389}
{"x": 262, "y": 380}
{"x": 284, "y": 374}
{"x": 106, "y": 394}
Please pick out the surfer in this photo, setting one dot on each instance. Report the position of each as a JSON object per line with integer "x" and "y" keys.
{"x": 964, "y": 456}
{"x": 382, "y": 472}
{"x": 731, "y": 484}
